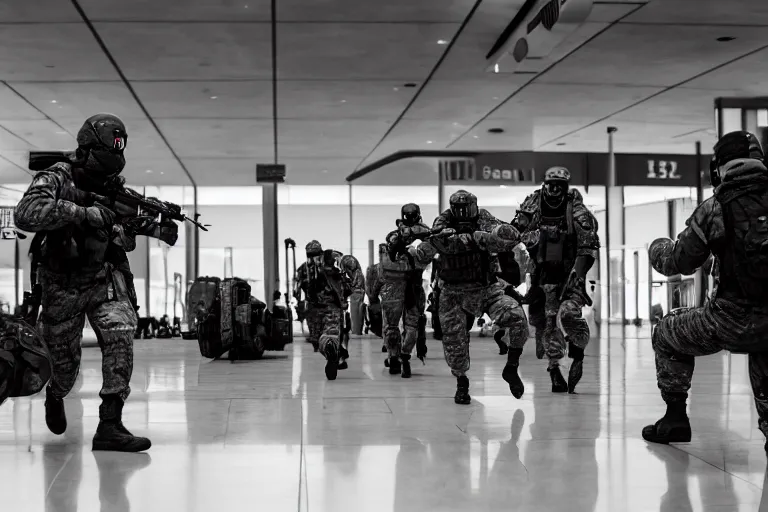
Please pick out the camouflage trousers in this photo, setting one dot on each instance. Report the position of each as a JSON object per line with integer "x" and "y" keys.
{"x": 66, "y": 301}
{"x": 314, "y": 324}
{"x": 356, "y": 303}
{"x": 457, "y": 302}
{"x": 543, "y": 316}
{"x": 329, "y": 322}
{"x": 396, "y": 306}
{"x": 686, "y": 333}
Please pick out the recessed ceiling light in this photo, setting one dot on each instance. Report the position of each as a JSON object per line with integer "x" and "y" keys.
{"x": 161, "y": 172}
{"x": 442, "y": 41}
{"x": 343, "y": 101}
{"x": 149, "y": 171}
{"x": 61, "y": 133}
{"x": 560, "y": 144}
{"x": 325, "y": 171}
{"x": 214, "y": 97}
{"x": 496, "y": 130}
{"x": 496, "y": 97}
{"x": 395, "y": 88}
{"x": 53, "y": 101}
{"x": 495, "y": 68}
{"x": 429, "y": 142}
{"x": 409, "y": 84}
{"x": 476, "y": 136}
{"x": 725, "y": 39}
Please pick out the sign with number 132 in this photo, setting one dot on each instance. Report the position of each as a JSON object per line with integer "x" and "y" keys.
{"x": 663, "y": 170}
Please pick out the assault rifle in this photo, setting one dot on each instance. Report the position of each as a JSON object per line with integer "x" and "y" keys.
{"x": 125, "y": 202}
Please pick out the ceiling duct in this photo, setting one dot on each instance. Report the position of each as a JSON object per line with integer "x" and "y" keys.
{"x": 545, "y": 26}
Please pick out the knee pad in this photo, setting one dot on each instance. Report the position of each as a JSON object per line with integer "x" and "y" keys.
{"x": 575, "y": 353}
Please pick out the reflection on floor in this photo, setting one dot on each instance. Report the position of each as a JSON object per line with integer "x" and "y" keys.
{"x": 275, "y": 435}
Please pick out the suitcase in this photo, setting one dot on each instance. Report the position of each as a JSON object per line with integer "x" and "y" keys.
{"x": 25, "y": 363}
{"x": 222, "y": 313}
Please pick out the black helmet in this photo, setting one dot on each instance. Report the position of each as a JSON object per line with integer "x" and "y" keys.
{"x": 464, "y": 205}
{"x": 410, "y": 214}
{"x": 100, "y": 144}
{"x": 733, "y": 146}
{"x": 314, "y": 248}
{"x": 555, "y": 185}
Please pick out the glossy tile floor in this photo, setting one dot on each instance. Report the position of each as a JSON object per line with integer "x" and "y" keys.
{"x": 274, "y": 435}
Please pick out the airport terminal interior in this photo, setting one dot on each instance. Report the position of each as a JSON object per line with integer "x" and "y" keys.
{"x": 261, "y": 125}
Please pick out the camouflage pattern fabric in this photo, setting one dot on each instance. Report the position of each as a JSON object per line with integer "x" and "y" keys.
{"x": 330, "y": 322}
{"x": 727, "y": 321}
{"x": 373, "y": 283}
{"x": 314, "y": 324}
{"x": 687, "y": 333}
{"x": 67, "y": 299}
{"x": 543, "y": 317}
{"x": 394, "y": 308}
{"x": 456, "y": 302}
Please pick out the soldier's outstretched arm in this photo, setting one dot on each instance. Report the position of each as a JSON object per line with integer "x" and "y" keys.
{"x": 692, "y": 248}
{"x": 41, "y": 210}
{"x": 502, "y": 238}
{"x": 486, "y": 221}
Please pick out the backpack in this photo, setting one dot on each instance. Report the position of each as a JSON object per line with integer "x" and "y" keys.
{"x": 223, "y": 314}
{"x": 25, "y": 363}
{"x": 745, "y": 216}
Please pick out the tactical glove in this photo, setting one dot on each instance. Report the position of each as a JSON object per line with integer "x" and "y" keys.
{"x": 99, "y": 216}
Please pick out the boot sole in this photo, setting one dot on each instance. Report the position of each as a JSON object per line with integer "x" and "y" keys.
{"x": 676, "y": 435}
{"x": 107, "y": 446}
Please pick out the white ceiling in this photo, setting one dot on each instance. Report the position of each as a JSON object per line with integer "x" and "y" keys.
{"x": 203, "y": 72}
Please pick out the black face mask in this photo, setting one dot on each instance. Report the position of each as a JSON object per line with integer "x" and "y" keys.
{"x": 554, "y": 193}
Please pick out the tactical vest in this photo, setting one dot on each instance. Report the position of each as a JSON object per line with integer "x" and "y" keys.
{"x": 471, "y": 267}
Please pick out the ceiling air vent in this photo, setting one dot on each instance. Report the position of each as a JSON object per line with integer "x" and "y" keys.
{"x": 546, "y": 24}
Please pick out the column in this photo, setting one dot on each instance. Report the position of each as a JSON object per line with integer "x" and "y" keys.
{"x": 614, "y": 243}
{"x": 271, "y": 245}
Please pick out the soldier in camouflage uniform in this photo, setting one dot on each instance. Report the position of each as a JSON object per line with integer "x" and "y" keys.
{"x": 79, "y": 278}
{"x": 402, "y": 295}
{"x": 466, "y": 243}
{"x": 327, "y": 288}
{"x": 560, "y": 234}
{"x": 356, "y": 301}
{"x": 301, "y": 284}
{"x": 733, "y": 226}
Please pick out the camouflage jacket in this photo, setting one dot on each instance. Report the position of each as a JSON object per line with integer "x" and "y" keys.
{"x": 324, "y": 285}
{"x": 351, "y": 266}
{"x": 705, "y": 236}
{"x": 50, "y": 205}
{"x": 373, "y": 283}
{"x": 502, "y": 238}
{"x": 586, "y": 241}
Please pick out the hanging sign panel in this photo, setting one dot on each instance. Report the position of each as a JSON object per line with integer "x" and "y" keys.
{"x": 7, "y": 226}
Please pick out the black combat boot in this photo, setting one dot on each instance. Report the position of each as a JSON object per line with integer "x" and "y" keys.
{"x": 674, "y": 427}
{"x": 406, "y": 361}
{"x": 394, "y": 366}
{"x": 55, "y": 417}
{"x": 386, "y": 362}
{"x": 384, "y": 349}
{"x": 315, "y": 346}
{"x": 462, "y": 391}
{"x": 577, "y": 367}
{"x": 510, "y": 374}
{"x": 332, "y": 362}
{"x": 497, "y": 337}
{"x": 111, "y": 434}
{"x": 558, "y": 381}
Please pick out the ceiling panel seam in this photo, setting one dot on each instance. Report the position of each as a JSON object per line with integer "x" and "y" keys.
{"x": 24, "y": 98}
{"x": 667, "y": 89}
{"x": 543, "y": 72}
{"x": 128, "y": 85}
{"x": 426, "y": 81}
{"x": 22, "y": 139}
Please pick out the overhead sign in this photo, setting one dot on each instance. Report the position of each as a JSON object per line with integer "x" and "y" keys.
{"x": 658, "y": 170}
{"x": 270, "y": 173}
